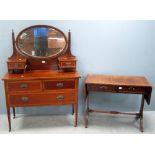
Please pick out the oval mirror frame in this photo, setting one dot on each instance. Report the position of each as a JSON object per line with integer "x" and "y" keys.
{"x": 30, "y": 56}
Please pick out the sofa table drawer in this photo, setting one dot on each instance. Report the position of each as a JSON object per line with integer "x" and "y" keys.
{"x": 116, "y": 89}
{"x": 50, "y": 85}
{"x": 98, "y": 87}
{"x": 41, "y": 99}
{"x": 24, "y": 86}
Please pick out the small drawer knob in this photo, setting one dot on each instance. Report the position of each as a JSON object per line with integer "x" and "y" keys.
{"x": 24, "y": 99}
{"x": 60, "y": 85}
{"x": 43, "y": 61}
{"x": 60, "y": 97}
{"x": 120, "y": 88}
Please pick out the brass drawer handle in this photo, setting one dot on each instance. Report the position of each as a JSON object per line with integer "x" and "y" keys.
{"x": 60, "y": 85}
{"x": 24, "y": 99}
{"x": 23, "y": 85}
{"x": 60, "y": 97}
{"x": 105, "y": 87}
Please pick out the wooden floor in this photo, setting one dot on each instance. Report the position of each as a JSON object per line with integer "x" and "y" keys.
{"x": 98, "y": 124}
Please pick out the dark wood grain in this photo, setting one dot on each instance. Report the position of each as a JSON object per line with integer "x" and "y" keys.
{"x": 118, "y": 80}
{"x": 118, "y": 84}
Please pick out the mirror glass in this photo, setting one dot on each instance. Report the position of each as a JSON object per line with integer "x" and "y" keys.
{"x": 41, "y": 42}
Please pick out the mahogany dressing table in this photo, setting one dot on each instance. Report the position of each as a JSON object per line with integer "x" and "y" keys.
{"x": 118, "y": 84}
{"x": 41, "y": 70}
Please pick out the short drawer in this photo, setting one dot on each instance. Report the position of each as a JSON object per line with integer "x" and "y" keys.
{"x": 68, "y": 64}
{"x": 24, "y": 86}
{"x": 41, "y": 99}
{"x": 49, "y": 85}
{"x": 16, "y": 65}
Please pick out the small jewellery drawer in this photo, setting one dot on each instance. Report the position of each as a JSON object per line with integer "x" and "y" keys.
{"x": 16, "y": 65}
{"x": 49, "y": 85}
{"x": 68, "y": 64}
{"x": 41, "y": 99}
{"x": 24, "y": 86}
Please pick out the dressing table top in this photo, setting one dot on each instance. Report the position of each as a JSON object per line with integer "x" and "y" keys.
{"x": 44, "y": 74}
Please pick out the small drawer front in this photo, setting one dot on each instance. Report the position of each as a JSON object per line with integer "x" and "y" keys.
{"x": 16, "y": 65}
{"x": 49, "y": 85}
{"x": 68, "y": 64}
{"x": 41, "y": 99}
{"x": 24, "y": 86}
{"x": 106, "y": 88}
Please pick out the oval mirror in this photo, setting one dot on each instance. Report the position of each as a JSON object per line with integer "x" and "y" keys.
{"x": 41, "y": 41}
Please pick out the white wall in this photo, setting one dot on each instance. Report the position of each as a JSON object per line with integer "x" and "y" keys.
{"x": 104, "y": 47}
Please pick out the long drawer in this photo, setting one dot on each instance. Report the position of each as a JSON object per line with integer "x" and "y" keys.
{"x": 14, "y": 86}
{"x": 116, "y": 89}
{"x": 41, "y": 99}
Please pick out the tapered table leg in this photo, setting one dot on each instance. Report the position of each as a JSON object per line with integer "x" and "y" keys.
{"x": 9, "y": 118}
{"x": 14, "y": 112}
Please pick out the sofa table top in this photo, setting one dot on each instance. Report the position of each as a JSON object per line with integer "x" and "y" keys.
{"x": 117, "y": 80}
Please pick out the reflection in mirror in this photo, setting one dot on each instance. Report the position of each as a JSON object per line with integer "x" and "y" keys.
{"x": 41, "y": 42}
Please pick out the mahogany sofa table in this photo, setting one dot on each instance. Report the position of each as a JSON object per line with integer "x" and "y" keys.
{"x": 118, "y": 84}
